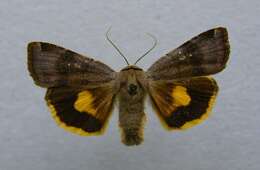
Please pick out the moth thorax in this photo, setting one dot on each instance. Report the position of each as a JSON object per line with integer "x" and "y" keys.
{"x": 132, "y": 89}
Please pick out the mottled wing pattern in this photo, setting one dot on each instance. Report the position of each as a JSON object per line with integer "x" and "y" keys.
{"x": 52, "y": 66}
{"x": 185, "y": 103}
{"x": 80, "y": 91}
{"x": 203, "y": 55}
{"x": 81, "y": 111}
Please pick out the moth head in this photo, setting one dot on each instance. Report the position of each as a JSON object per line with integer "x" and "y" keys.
{"x": 132, "y": 80}
{"x": 118, "y": 50}
{"x": 134, "y": 67}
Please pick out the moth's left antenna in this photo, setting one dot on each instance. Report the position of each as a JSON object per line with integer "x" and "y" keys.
{"x": 111, "y": 42}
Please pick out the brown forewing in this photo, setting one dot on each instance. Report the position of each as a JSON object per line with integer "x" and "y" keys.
{"x": 52, "y": 66}
{"x": 203, "y": 55}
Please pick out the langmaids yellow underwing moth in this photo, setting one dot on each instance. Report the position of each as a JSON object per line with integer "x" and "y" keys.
{"x": 81, "y": 91}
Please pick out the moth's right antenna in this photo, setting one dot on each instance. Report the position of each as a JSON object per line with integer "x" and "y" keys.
{"x": 154, "y": 44}
{"x": 111, "y": 42}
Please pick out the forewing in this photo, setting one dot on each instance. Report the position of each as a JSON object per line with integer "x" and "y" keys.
{"x": 203, "y": 55}
{"x": 81, "y": 111}
{"x": 52, "y": 66}
{"x": 183, "y": 104}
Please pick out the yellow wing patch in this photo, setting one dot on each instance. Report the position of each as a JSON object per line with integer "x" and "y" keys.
{"x": 180, "y": 96}
{"x": 84, "y": 103}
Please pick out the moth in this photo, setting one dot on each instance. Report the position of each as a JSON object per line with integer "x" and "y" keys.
{"x": 81, "y": 91}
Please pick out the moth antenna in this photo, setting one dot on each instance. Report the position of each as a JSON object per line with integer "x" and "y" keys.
{"x": 114, "y": 45}
{"x": 154, "y": 44}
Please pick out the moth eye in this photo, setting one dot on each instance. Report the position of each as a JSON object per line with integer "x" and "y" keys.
{"x": 132, "y": 89}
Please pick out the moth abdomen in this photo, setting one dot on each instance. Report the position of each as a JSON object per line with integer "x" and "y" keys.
{"x": 132, "y": 128}
{"x": 132, "y": 137}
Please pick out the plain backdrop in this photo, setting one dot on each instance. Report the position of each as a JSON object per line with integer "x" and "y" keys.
{"x": 30, "y": 139}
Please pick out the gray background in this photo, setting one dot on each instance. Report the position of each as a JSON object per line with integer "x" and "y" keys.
{"x": 30, "y": 139}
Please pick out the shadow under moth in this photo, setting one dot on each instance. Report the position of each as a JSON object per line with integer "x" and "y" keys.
{"x": 81, "y": 91}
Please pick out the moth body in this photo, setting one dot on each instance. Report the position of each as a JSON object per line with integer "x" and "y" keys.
{"x": 131, "y": 104}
